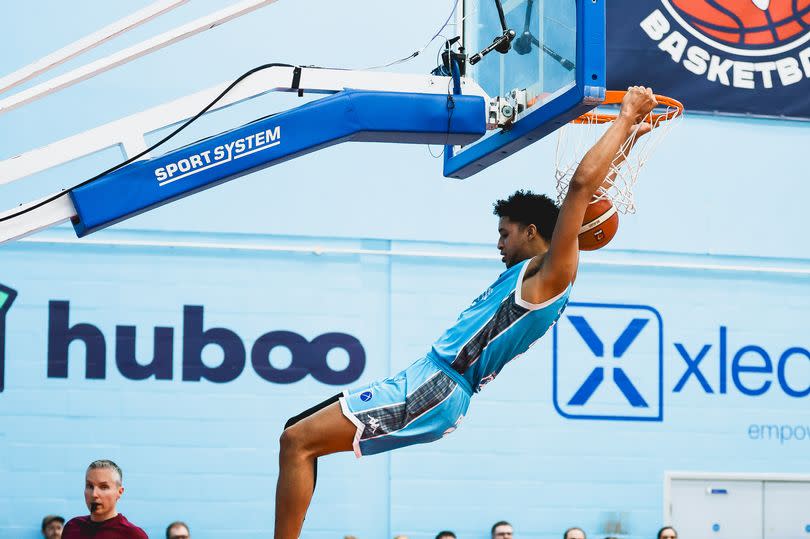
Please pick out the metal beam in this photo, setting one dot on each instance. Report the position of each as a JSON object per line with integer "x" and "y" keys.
{"x": 127, "y": 55}
{"x": 87, "y": 43}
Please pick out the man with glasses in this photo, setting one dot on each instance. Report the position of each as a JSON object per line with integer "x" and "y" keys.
{"x": 178, "y": 530}
{"x": 502, "y": 530}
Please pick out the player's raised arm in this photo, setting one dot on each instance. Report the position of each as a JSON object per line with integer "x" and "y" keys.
{"x": 560, "y": 263}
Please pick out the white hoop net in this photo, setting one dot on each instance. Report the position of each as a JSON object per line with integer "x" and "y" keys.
{"x": 577, "y": 137}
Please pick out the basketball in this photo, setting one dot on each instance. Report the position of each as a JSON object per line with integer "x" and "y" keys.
{"x": 599, "y": 226}
{"x": 747, "y": 22}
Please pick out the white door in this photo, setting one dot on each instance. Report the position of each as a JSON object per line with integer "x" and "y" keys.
{"x": 787, "y": 510}
{"x": 707, "y": 509}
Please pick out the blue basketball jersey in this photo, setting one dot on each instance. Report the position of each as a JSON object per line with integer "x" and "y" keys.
{"x": 496, "y": 328}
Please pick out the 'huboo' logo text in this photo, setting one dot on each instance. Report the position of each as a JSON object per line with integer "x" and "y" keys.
{"x": 224, "y": 153}
{"x": 7, "y": 296}
{"x": 781, "y": 68}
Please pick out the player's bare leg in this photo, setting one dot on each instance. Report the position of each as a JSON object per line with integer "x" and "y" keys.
{"x": 324, "y": 432}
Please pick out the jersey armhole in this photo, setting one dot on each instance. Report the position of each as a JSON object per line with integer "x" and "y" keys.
{"x": 534, "y": 306}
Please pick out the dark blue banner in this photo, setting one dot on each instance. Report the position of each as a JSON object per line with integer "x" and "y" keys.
{"x": 730, "y": 56}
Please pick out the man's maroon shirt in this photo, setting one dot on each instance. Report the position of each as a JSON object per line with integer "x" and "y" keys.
{"x": 117, "y": 527}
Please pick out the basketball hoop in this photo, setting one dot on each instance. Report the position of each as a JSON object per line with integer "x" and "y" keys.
{"x": 576, "y": 138}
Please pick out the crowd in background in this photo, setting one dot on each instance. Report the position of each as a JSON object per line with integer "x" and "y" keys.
{"x": 104, "y": 487}
{"x": 504, "y": 530}
{"x": 53, "y": 526}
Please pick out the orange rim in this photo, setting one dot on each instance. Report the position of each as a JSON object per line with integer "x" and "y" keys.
{"x": 614, "y": 97}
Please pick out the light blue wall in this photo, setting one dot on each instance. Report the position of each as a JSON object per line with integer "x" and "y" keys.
{"x": 720, "y": 207}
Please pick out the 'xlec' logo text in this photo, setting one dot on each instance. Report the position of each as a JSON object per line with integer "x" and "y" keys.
{"x": 608, "y": 363}
{"x": 7, "y": 296}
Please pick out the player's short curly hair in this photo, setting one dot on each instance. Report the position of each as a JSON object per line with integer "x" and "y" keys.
{"x": 527, "y": 208}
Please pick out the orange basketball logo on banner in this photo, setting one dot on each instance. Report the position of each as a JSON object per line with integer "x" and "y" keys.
{"x": 745, "y": 27}
{"x": 739, "y": 44}
{"x": 743, "y": 22}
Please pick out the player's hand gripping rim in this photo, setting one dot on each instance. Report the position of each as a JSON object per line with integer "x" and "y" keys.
{"x": 637, "y": 103}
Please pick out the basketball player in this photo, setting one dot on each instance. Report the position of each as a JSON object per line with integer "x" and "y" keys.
{"x": 539, "y": 246}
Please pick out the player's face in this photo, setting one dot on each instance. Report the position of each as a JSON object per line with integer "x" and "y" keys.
{"x": 513, "y": 242}
{"x": 576, "y": 533}
{"x": 101, "y": 492}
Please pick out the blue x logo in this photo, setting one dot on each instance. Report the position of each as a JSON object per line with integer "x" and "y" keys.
{"x": 597, "y": 375}
{"x": 594, "y": 380}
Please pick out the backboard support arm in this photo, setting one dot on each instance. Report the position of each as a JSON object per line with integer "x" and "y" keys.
{"x": 417, "y": 112}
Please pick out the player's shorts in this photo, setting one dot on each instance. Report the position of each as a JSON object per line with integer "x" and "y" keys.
{"x": 420, "y": 404}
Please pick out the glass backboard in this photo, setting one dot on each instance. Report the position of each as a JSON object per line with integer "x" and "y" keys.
{"x": 552, "y": 72}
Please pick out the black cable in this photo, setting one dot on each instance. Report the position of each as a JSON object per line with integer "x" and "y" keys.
{"x": 156, "y": 145}
{"x": 417, "y": 53}
{"x": 451, "y": 106}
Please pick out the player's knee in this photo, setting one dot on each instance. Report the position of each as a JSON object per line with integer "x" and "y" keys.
{"x": 293, "y": 440}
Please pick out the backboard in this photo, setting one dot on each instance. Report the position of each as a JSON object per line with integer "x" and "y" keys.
{"x": 553, "y": 72}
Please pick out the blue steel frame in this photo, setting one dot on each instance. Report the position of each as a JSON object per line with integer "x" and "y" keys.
{"x": 349, "y": 115}
{"x": 587, "y": 93}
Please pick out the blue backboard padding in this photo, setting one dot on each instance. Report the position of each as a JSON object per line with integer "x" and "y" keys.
{"x": 543, "y": 120}
{"x": 350, "y": 115}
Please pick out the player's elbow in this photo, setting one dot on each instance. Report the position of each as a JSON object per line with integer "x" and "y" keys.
{"x": 580, "y": 187}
